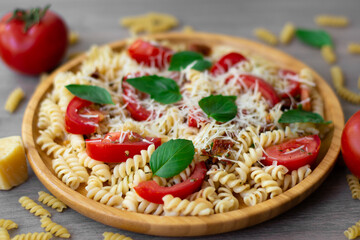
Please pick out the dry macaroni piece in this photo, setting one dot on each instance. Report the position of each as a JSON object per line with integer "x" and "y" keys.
{"x": 331, "y": 21}
{"x": 14, "y": 99}
{"x": 150, "y": 23}
{"x": 73, "y": 38}
{"x": 287, "y": 33}
{"x": 234, "y": 174}
{"x": 354, "y": 48}
{"x": 328, "y": 54}
{"x": 266, "y": 36}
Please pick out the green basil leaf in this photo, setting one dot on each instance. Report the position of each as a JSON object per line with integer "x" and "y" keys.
{"x": 161, "y": 89}
{"x": 315, "y": 38}
{"x": 172, "y": 157}
{"x": 221, "y": 108}
{"x": 202, "y": 65}
{"x": 94, "y": 94}
{"x": 181, "y": 60}
{"x": 301, "y": 116}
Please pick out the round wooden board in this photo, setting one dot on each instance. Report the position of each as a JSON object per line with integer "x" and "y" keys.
{"x": 188, "y": 226}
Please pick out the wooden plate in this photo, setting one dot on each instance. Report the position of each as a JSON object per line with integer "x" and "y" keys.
{"x": 188, "y": 226}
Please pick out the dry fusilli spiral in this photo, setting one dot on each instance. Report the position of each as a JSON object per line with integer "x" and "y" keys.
{"x": 51, "y": 201}
{"x": 8, "y": 224}
{"x": 54, "y": 228}
{"x": 33, "y": 207}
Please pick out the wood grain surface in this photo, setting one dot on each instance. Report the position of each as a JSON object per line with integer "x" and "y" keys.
{"x": 323, "y": 215}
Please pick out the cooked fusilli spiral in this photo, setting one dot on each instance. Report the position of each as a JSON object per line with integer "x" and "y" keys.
{"x": 276, "y": 171}
{"x": 33, "y": 207}
{"x": 266, "y": 181}
{"x": 51, "y": 201}
{"x": 65, "y": 173}
{"x": 54, "y": 228}
{"x": 225, "y": 201}
{"x": 296, "y": 176}
{"x": 98, "y": 168}
{"x": 176, "y": 206}
{"x": 229, "y": 180}
{"x": 103, "y": 196}
{"x": 254, "y": 196}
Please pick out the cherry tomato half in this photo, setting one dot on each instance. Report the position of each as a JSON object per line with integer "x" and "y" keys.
{"x": 294, "y": 153}
{"x": 131, "y": 97}
{"x": 350, "y": 144}
{"x": 80, "y": 118}
{"x": 226, "y": 62}
{"x": 118, "y": 146}
{"x": 294, "y": 86}
{"x": 36, "y": 50}
{"x": 196, "y": 117}
{"x": 150, "y": 54}
{"x": 266, "y": 90}
{"x": 153, "y": 192}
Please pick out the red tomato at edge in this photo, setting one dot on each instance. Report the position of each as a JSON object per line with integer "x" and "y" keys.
{"x": 350, "y": 144}
{"x": 39, "y": 49}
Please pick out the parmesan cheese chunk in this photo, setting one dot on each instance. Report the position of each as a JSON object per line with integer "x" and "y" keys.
{"x": 13, "y": 168}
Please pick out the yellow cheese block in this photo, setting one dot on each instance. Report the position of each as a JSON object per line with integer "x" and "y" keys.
{"x": 13, "y": 168}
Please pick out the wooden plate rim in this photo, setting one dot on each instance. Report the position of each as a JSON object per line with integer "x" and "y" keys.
{"x": 183, "y": 226}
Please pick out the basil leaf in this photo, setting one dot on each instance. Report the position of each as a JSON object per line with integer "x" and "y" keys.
{"x": 202, "y": 65}
{"x": 299, "y": 115}
{"x": 181, "y": 60}
{"x": 94, "y": 94}
{"x": 172, "y": 157}
{"x": 221, "y": 108}
{"x": 161, "y": 89}
{"x": 315, "y": 38}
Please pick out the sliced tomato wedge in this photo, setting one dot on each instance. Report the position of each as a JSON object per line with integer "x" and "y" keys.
{"x": 118, "y": 146}
{"x": 294, "y": 86}
{"x": 153, "y": 192}
{"x": 131, "y": 97}
{"x": 81, "y": 118}
{"x": 226, "y": 62}
{"x": 294, "y": 153}
{"x": 266, "y": 90}
{"x": 150, "y": 54}
{"x": 196, "y": 117}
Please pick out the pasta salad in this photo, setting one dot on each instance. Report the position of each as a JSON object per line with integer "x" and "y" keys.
{"x": 181, "y": 129}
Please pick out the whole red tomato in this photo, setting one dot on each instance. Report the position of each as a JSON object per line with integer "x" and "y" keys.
{"x": 350, "y": 144}
{"x": 32, "y": 41}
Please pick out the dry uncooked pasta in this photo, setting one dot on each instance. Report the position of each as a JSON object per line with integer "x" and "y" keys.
{"x": 331, "y": 21}
{"x": 51, "y": 201}
{"x": 235, "y": 177}
{"x": 8, "y": 224}
{"x": 73, "y": 38}
{"x": 33, "y": 236}
{"x": 266, "y": 36}
{"x": 354, "y": 186}
{"x": 287, "y": 33}
{"x": 33, "y": 207}
{"x": 150, "y": 23}
{"x": 115, "y": 236}
{"x": 4, "y": 235}
{"x": 353, "y": 231}
{"x": 354, "y": 48}
{"x": 338, "y": 80}
{"x": 54, "y": 228}
{"x": 14, "y": 99}
{"x": 328, "y": 54}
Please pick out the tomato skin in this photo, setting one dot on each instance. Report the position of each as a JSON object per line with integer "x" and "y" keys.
{"x": 266, "y": 90}
{"x": 39, "y": 49}
{"x": 153, "y": 192}
{"x": 108, "y": 150}
{"x": 294, "y": 86}
{"x": 195, "y": 118}
{"x": 296, "y": 159}
{"x": 350, "y": 144}
{"x": 76, "y": 124}
{"x": 226, "y": 62}
{"x": 150, "y": 54}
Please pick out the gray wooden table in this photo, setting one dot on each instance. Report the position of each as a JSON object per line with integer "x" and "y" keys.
{"x": 323, "y": 215}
